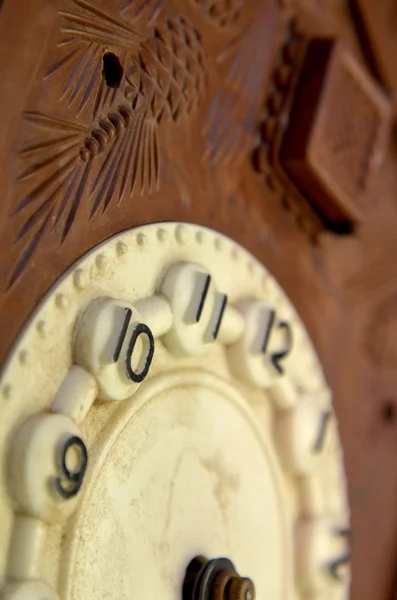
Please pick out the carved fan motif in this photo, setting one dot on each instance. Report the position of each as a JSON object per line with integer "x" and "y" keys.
{"x": 114, "y": 151}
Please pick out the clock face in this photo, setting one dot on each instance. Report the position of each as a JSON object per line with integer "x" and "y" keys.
{"x": 165, "y": 403}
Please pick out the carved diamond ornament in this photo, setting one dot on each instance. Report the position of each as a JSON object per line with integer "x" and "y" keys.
{"x": 338, "y": 134}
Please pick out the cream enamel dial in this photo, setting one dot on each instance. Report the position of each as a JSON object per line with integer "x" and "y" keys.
{"x": 165, "y": 402}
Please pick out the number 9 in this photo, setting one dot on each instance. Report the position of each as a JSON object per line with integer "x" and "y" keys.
{"x": 46, "y": 465}
{"x": 74, "y": 478}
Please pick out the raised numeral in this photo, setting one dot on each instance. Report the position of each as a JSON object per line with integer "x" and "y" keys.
{"x": 279, "y": 355}
{"x": 268, "y": 330}
{"x": 276, "y": 356}
{"x": 322, "y": 432}
{"x": 139, "y": 330}
{"x": 47, "y": 463}
{"x": 114, "y": 344}
{"x": 336, "y": 566}
{"x": 71, "y": 480}
{"x": 123, "y": 332}
{"x": 143, "y": 331}
{"x": 257, "y": 356}
{"x": 217, "y": 316}
{"x": 202, "y": 296}
{"x": 197, "y": 307}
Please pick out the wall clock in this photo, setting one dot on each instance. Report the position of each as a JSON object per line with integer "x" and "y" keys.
{"x": 197, "y": 299}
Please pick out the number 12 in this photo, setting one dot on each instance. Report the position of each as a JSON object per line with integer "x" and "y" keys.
{"x": 278, "y": 355}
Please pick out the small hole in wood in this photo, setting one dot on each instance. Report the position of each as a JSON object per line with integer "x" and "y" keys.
{"x": 112, "y": 70}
